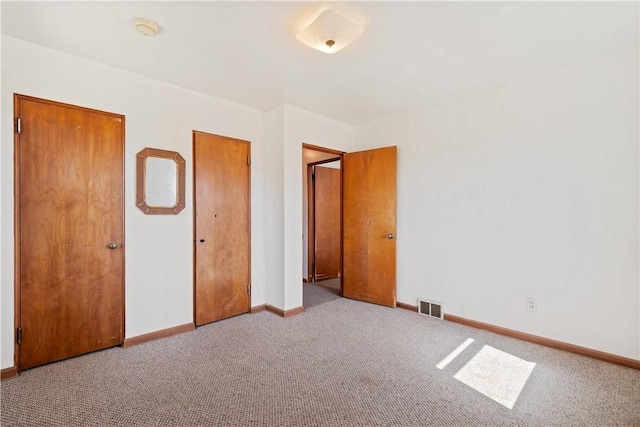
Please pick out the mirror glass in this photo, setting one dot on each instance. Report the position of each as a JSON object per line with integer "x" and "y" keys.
{"x": 161, "y": 182}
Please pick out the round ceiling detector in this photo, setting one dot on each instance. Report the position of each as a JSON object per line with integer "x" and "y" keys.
{"x": 145, "y": 27}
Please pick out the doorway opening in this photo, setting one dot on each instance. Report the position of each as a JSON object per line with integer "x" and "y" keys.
{"x": 367, "y": 235}
{"x": 322, "y": 210}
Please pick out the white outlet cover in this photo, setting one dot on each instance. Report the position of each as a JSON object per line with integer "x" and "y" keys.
{"x": 532, "y": 304}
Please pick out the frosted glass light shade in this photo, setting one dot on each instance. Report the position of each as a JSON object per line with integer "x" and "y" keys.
{"x": 329, "y": 32}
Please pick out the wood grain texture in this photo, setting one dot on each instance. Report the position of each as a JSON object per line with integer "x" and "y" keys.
{"x": 328, "y": 231}
{"x": 152, "y": 336}
{"x": 258, "y": 308}
{"x": 311, "y": 232}
{"x": 7, "y": 373}
{"x": 141, "y": 176}
{"x": 584, "y": 351}
{"x": 70, "y": 167}
{"x": 369, "y": 215}
{"x": 285, "y": 313}
{"x": 409, "y": 307}
{"x": 322, "y": 149}
{"x": 222, "y": 227}
{"x": 16, "y": 229}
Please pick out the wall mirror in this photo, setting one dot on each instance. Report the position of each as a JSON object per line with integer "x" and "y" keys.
{"x": 160, "y": 182}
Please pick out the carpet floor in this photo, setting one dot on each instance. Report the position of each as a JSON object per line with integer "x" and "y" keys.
{"x": 340, "y": 363}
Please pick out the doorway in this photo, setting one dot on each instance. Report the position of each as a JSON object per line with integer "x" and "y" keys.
{"x": 326, "y": 190}
{"x": 322, "y": 189}
{"x": 368, "y": 223}
{"x": 69, "y": 192}
{"x": 222, "y": 219}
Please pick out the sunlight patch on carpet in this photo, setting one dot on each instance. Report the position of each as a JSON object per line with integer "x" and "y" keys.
{"x": 496, "y": 374}
{"x": 455, "y": 353}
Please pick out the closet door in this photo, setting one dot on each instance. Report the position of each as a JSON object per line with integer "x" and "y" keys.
{"x": 222, "y": 227}
{"x": 69, "y": 174}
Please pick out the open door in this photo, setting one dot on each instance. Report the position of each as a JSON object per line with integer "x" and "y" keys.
{"x": 327, "y": 233}
{"x": 369, "y": 226}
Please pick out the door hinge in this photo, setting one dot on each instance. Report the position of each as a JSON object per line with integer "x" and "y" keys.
{"x": 249, "y": 290}
{"x": 19, "y": 335}
{"x": 19, "y": 125}
{"x": 248, "y": 160}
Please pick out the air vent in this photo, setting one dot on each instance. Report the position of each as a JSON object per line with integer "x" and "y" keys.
{"x": 430, "y": 308}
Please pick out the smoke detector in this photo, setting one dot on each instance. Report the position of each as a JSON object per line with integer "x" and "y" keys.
{"x": 146, "y": 27}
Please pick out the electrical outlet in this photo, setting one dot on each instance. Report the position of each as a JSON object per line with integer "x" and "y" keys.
{"x": 532, "y": 305}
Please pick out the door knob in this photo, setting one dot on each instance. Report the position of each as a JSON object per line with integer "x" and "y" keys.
{"x": 389, "y": 236}
{"x": 113, "y": 245}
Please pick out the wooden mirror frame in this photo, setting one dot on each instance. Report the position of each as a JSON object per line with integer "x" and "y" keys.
{"x": 141, "y": 181}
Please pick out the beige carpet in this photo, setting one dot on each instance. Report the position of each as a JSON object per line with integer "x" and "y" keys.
{"x": 341, "y": 363}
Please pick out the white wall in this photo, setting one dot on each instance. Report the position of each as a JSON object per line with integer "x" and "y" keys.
{"x": 286, "y": 128}
{"x": 274, "y": 208}
{"x": 526, "y": 189}
{"x": 529, "y": 188}
{"x": 159, "y": 260}
{"x": 300, "y": 127}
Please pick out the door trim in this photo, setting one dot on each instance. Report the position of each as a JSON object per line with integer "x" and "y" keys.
{"x": 17, "y": 212}
{"x": 338, "y": 153}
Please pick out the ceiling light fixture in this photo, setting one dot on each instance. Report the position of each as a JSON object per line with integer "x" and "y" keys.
{"x": 145, "y": 27}
{"x": 329, "y": 32}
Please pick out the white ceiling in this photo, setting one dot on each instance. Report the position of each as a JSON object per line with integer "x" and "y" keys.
{"x": 410, "y": 54}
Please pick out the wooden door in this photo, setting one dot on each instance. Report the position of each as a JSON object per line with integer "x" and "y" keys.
{"x": 69, "y": 190}
{"x": 328, "y": 241}
{"x": 369, "y": 221}
{"x": 222, "y": 227}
